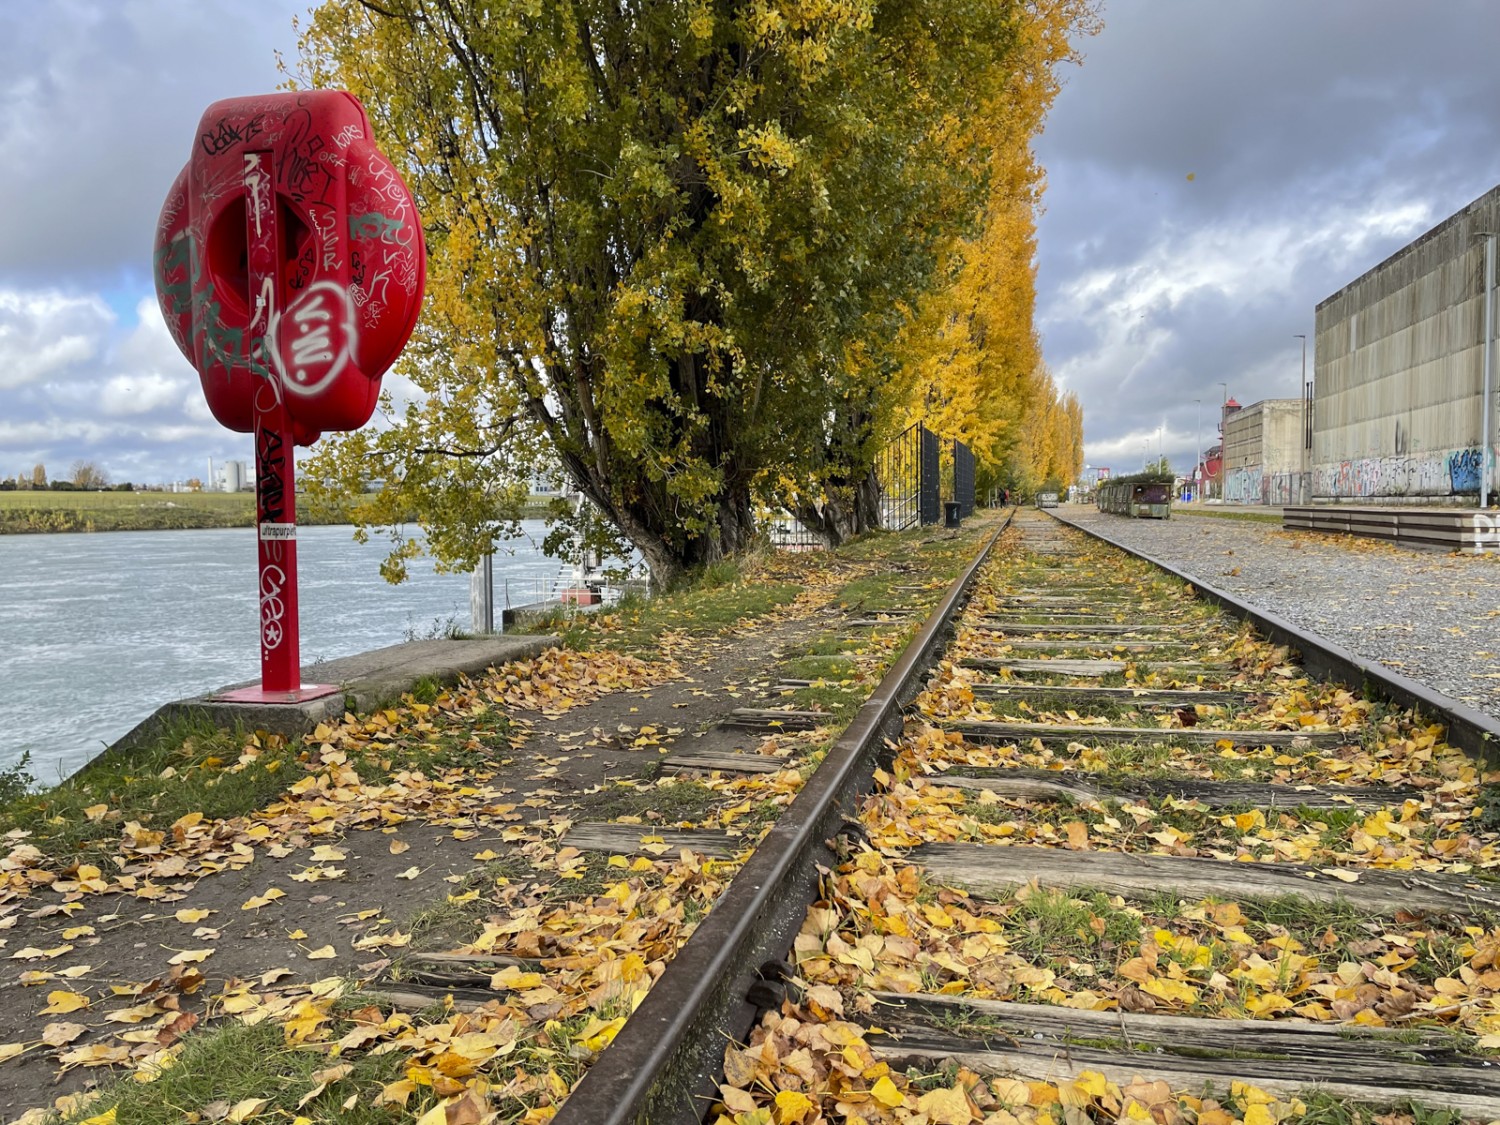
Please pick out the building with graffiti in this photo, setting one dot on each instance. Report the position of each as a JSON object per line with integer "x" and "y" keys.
{"x": 1399, "y": 371}
{"x": 1264, "y": 453}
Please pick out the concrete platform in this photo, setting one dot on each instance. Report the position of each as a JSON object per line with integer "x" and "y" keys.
{"x": 365, "y": 681}
{"x": 1431, "y": 529}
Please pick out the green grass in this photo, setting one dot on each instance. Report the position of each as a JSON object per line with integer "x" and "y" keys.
{"x": 191, "y": 766}
{"x": 46, "y": 511}
{"x": 41, "y": 511}
{"x": 188, "y": 767}
{"x": 1328, "y": 1109}
{"x": 234, "y": 1062}
{"x": 876, "y": 592}
{"x": 717, "y": 599}
{"x": 1053, "y": 923}
{"x": 665, "y": 802}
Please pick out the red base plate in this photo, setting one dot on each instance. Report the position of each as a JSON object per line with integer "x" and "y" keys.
{"x": 261, "y": 695}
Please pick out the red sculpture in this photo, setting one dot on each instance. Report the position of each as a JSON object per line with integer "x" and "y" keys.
{"x": 290, "y": 266}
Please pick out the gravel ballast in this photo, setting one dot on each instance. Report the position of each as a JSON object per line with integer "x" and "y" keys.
{"x": 1433, "y": 617}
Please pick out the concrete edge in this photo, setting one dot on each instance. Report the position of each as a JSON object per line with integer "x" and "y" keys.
{"x": 1472, "y": 731}
{"x": 292, "y": 720}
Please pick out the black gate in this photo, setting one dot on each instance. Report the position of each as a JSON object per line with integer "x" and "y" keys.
{"x": 932, "y": 484}
{"x": 898, "y": 471}
{"x": 915, "y": 477}
{"x": 963, "y": 479}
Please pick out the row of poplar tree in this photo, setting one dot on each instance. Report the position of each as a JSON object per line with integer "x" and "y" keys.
{"x": 708, "y": 255}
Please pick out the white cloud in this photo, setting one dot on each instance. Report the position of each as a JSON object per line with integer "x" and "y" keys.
{"x": 140, "y": 394}
{"x": 150, "y": 347}
{"x": 49, "y": 334}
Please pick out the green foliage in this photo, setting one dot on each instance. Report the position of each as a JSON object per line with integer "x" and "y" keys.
{"x": 16, "y": 780}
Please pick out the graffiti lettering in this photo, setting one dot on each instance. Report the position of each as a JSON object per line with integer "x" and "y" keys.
{"x": 1486, "y": 533}
{"x": 347, "y": 136}
{"x": 258, "y": 188}
{"x": 221, "y": 344}
{"x": 303, "y": 267}
{"x": 1464, "y": 468}
{"x": 225, "y": 134}
{"x": 272, "y": 606}
{"x": 322, "y": 332}
{"x": 373, "y": 224}
{"x": 327, "y": 225}
{"x": 303, "y": 176}
{"x": 376, "y": 291}
{"x": 167, "y": 261}
{"x": 269, "y": 459}
{"x": 1419, "y": 474}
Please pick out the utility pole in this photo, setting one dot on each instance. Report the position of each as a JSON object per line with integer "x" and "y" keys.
{"x": 1486, "y": 437}
{"x": 1223, "y": 448}
{"x": 1306, "y": 459}
{"x": 1198, "y": 452}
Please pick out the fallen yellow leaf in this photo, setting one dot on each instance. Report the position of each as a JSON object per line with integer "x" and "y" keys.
{"x": 64, "y": 1001}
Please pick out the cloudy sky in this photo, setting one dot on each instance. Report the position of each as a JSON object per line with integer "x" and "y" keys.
{"x": 1216, "y": 167}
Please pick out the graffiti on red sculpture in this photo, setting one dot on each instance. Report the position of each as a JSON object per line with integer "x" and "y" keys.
{"x": 347, "y": 285}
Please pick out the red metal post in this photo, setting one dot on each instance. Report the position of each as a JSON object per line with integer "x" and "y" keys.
{"x": 275, "y": 481}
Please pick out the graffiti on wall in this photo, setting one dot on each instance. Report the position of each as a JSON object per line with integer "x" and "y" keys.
{"x": 1464, "y": 468}
{"x": 1253, "y": 485}
{"x": 1436, "y": 474}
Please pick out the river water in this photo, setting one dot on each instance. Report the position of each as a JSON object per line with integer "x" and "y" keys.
{"x": 97, "y": 631}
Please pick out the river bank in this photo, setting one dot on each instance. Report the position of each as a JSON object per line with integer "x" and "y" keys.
{"x": 117, "y": 625}
{"x": 43, "y": 512}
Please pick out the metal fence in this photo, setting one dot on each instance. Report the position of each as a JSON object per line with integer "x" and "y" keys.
{"x": 789, "y": 534}
{"x": 932, "y": 478}
{"x": 963, "y": 479}
{"x": 915, "y": 477}
{"x": 898, "y": 471}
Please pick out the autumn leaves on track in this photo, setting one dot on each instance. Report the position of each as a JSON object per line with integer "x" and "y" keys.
{"x": 1130, "y": 863}
{"x": 390, "y": 920}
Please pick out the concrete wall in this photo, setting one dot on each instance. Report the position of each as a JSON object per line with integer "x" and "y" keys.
{"x": 1263, "y": 454}
{"x": 1398, "y": 368}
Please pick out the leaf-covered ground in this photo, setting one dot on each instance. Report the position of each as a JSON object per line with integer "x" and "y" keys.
{"x": 884, "y": 924}
{"x": 240, "y": 929}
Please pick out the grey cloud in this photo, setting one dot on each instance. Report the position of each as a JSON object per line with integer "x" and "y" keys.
{"x": 1320, "y": 137}
{"x": 97, "y": 114}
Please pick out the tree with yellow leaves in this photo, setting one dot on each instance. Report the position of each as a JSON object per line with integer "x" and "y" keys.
{"x": 671, "y": 244}
{"x": 972, "y": 355}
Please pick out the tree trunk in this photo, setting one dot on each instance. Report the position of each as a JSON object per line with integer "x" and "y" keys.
{"x": 867, "y": 503}
{"x": 832, "y": 521}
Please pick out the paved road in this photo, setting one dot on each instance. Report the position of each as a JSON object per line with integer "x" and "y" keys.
{"x": 1434, "y": 617}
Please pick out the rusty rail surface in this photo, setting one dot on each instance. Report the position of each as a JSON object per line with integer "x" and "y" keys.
{"x": 662, "y": 1067}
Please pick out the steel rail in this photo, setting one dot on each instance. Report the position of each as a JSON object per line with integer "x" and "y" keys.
{"x": 662, "y": 1067}
{"x": 1469, "y": 729}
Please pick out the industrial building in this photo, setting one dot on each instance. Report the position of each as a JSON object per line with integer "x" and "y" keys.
{"x": 1264, "y": 450}
{"x": 1400, "y": 372}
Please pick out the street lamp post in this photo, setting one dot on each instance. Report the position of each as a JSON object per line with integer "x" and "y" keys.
{"x": 1306, "y": 406}
{"x": 1223, "y": 409}
{"x": 1489, "y": 347}
{"x": 1198, "y": 452}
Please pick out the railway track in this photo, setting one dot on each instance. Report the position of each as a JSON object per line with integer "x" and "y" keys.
{"x": 1094, "y": 850}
